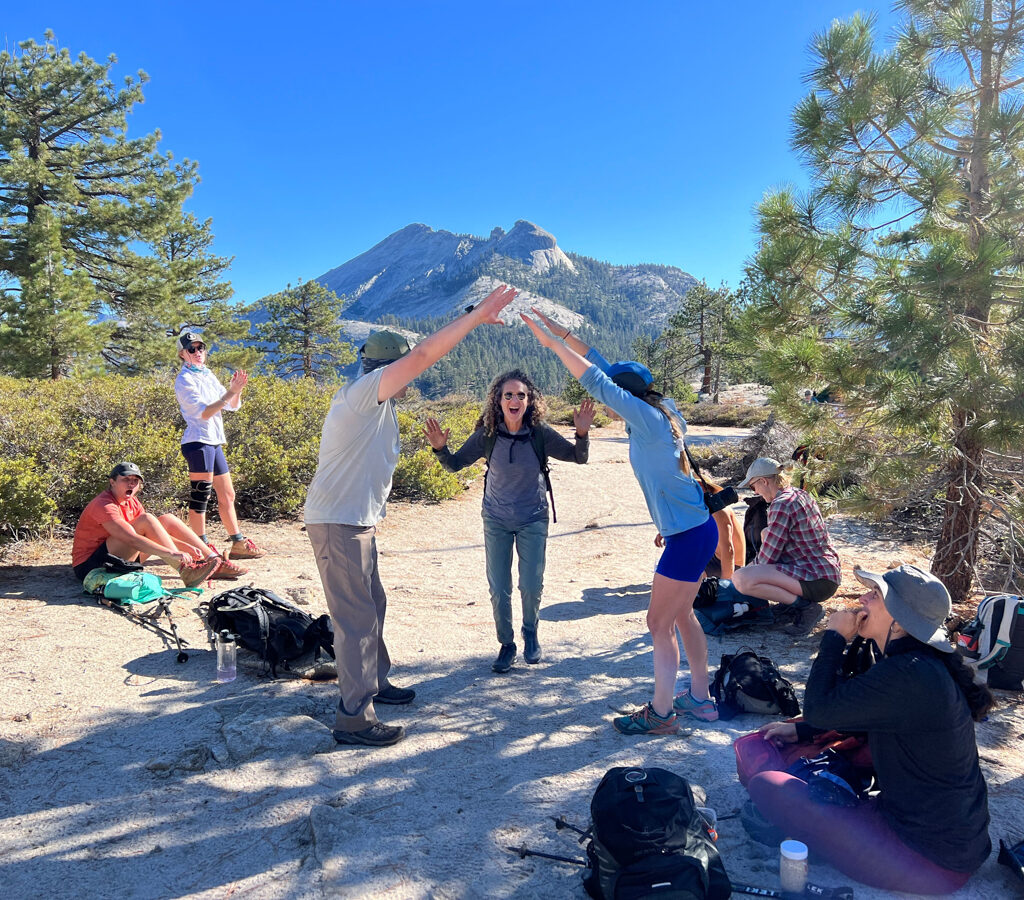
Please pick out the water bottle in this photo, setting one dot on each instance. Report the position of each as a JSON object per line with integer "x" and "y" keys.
{"x": 225, "y": 657}
{"x": 793, "y": 866}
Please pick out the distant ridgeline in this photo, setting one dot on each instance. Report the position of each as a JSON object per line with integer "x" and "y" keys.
{"x": 417, "y": 279}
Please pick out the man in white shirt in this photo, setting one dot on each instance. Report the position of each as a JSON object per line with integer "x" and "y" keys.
{"x": 358, "y": 454}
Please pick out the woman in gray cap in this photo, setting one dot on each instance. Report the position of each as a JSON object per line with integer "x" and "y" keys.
{"x": 927, "y": 831}
{"x": 797, "y": 564}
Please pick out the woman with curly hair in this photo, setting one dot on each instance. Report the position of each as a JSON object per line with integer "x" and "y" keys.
{"x": 512, "y": 437}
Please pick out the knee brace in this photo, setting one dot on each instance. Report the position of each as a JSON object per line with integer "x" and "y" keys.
{"x": 199, "y": 497}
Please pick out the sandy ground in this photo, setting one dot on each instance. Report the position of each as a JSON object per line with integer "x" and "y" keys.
{"x": 126, "y": 774}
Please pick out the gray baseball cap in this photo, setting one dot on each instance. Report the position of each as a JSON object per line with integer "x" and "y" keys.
{"x": 762, "y": 467}
{"x": 916, "y": 599}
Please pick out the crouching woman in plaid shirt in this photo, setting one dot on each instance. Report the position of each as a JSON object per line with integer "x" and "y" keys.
{"x": 797, "y": 564}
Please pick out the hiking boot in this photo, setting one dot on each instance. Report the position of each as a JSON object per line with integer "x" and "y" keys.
{"x": 531, "y": 647}
{"x": 686, "y": 704}
{"x": 396, "y": 696}
{"x": 646, "y": 721}
{"x": 506, "y": 656}
{"x": 194, "y": 574}
{"x": 227, "y": 569}
{"x": 377, "y": 735}
{"x": 805, "y": 617}
{"x": 244, "y": 549}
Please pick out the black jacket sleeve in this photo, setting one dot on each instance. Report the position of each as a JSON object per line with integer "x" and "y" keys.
{"x": 887, "y": 697}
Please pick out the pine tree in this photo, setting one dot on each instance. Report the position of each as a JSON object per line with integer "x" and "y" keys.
{"x": 300, "y": 333}
{"x": 65, "y": 155}
{"x": 45, "y": 325}
{"x": 897, "y": 280}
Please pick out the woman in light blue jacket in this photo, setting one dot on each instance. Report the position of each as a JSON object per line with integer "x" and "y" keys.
{"x": 685, "y": 527}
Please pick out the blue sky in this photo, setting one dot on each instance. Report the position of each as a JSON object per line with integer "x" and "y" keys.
{"x": 634, "y": 132}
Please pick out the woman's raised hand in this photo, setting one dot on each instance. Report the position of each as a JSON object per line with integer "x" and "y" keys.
{"x": 239, "y": 379}
{"x": 435, "y": 435}
{"x": 583, "y": 417}
{"x": 494, "y": 303}
{"x": 543, "y": 336}
{"x": 553, "y": 327}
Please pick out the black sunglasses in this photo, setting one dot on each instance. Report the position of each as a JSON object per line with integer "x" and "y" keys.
{"x": 195, "y": 348}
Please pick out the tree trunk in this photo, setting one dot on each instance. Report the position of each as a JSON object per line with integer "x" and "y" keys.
{"x": 706, "y": 382}
{"x": 957, "y": 550}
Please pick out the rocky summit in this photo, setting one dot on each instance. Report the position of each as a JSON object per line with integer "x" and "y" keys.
{"x": 418, "y": 273}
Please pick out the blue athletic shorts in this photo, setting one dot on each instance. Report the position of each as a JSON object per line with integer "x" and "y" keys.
{"x": 205, "y": 457}
{"x": 688, "y": 552}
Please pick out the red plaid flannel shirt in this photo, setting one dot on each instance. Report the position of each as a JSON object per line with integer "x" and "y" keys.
{"x": 796, "y": 540}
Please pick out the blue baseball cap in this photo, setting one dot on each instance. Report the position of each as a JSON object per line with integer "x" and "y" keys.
{"x": 632, "y": 377}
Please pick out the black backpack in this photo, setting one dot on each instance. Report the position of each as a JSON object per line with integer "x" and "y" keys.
{"x": 748, "y": 683}
{"x": 648, "y": 840}
{"x": 277, "y": 631}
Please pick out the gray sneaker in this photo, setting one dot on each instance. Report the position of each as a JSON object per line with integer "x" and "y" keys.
{"x": 377, "y": 735}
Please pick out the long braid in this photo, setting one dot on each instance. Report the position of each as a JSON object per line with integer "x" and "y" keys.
{"x": 653, "y": 398}
{"x": 979, "y": 698}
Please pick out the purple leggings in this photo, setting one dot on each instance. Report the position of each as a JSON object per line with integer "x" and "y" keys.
{"x": 859, "y": 842}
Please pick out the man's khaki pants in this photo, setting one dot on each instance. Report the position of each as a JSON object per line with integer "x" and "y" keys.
{"x": 346, "y": 556}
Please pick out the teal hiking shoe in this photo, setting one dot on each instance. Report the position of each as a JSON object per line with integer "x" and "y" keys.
{"x": 646, "y": 721}
{"x": 686, "y": 705}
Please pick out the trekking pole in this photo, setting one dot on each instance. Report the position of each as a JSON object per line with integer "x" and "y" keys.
{"x": 525, "y": 851}
{"x": 135, "y": 617}
{"x": 166, "y": 607}
{"x": 561, "y": 823}
{"x": 810, "y": 890}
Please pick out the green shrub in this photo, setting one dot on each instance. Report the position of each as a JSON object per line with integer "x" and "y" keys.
{"x": 419, "y": 474}
{"x": 59, "y": 440}
{"x": 25, "y": 506}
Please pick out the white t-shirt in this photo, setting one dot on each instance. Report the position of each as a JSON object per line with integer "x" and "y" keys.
{"x": 195, "y": 391}
{"x": 358, "y": 453}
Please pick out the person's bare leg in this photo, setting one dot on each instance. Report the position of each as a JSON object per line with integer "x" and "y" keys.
{"x": 768, "y": 583}
{"x": 695, "y": 643}
{"x": 671, "y": 600}
{"x": 148, "y": 526}
{"x": 225, "y": 489}
{"x": 197, "y": 520}
{"x": 184, "y": 538}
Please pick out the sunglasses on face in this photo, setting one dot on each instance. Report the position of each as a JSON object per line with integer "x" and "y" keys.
{"x": 195, "y": 348}
{"x": 519, "y": 395}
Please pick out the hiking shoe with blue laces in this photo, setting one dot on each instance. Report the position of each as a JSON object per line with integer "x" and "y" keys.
{"x": 646, "y": 721}
{"x": 686, "y": 704}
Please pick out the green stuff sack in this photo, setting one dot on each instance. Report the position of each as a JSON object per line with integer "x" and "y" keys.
{"x": 132, "y": 587}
